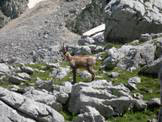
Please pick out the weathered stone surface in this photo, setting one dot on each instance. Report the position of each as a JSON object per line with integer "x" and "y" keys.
{"x": 154, "y": 103}
{"x": 37, "y": 111}
{"x": 60, "y": 72}
{"x": 132, "y": 82}
{"x": 80, "y": 50}
{"x": 44, "y": 84}
{"x": 62, "y": 92}
{"x": 85, "y": 74}
{"x": 85, "y": 40}
{"x": 8, "y": 114}
{"x": 4, "y": 69}
{"x": 109, "y": 100}
{"x": 24, "y": 76}
{"x": 130, "y": 57}
{"x": 43, "y": 97}
{"x": 89, "y": 114}
{"x": 16, "y": 79}
{"x": 27, "y": 69}
{"x": 114, "y": 74}
{"x": 139, "y": 105}
{"x": 144, "y": 17}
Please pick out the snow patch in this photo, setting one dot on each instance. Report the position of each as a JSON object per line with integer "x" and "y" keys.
{"x": 33, "y": 3}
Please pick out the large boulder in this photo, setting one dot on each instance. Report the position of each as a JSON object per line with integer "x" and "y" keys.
{"x": 43, "y": 97}
{"x": 108, "y": 99}
{"x": 90, "y": 114}
{"x": 130, "y": 57}
{"x": 126, "y": 20}
{"x": 30, "y": 108}
{"x": 8, "y": 114}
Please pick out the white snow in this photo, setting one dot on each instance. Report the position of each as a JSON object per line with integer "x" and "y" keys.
{"x": 33, "y": 3}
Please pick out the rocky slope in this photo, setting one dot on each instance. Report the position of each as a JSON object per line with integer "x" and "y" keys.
{"x": 39, "y": 30}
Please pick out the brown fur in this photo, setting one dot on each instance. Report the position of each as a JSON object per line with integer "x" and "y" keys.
{"x": 85, "y": 62}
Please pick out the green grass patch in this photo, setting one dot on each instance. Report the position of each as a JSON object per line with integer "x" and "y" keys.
{"x": 136, "y": 116}
{"x": 124, "y": 75}
{"x": 109, "y": 45}
{"x": 149, "y": 87}
{"x": 41, "y": 71}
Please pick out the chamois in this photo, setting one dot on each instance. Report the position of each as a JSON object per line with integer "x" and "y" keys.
{"x": 80, "y": 61}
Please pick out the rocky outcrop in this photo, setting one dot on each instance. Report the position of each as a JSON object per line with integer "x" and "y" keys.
{"x": 90, "y": 115}
{"x": 92, "y": 15}
{"x": 108, "y": 99}
{"x": 8, "y": 114}
{"x": 130, "y": 57}
{"x": 126, "y": 20}
{"x": 30, "y": 108}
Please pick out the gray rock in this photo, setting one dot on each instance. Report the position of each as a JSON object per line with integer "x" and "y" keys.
{"x": 44, "y": 84}
{"x": 53, "y": 65}
{"x": 154, "y": 103}
{"x": 37, "y": 111}
{"x": 85, "y": 74}
{"x": 90, "y": 114}
{"x": 130, "y": 57}
{"x": 109, "y": 100}
{"x": 112, "y": 59}
{"x": 24, "y": 76}
{"x": 114, "y": 74}
{"x": 60, "y": 72}
{"x": 143, "y": 18}
{"x": 139, "y": 105}
{"x": 8, "y": 114}
{"x": 138, "y": 96}
{"x": 132, "y": 82}
{"x": 4, "y": 69}
{"x": 43, "y": 97}
{"x": 86, "y": 40}
{"x": 99, "y": 38}
{"x": 16, "y": 79}
{"x": 27, "y": 69}
{"x": 62, "y": 92}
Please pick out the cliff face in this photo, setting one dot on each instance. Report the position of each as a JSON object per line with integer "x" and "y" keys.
{"x": 10, "y": 9}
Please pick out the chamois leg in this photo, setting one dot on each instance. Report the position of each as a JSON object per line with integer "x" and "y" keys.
{"x": 90, "y": 70}
{"x": 74, "y": 75}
